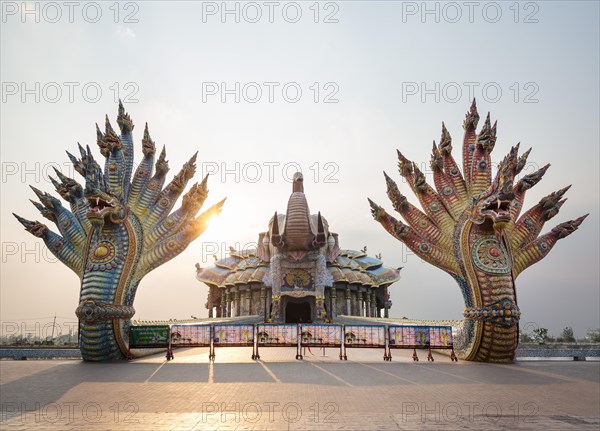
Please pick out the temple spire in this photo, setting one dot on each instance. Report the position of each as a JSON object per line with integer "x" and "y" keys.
{"x": 298, "y": 183}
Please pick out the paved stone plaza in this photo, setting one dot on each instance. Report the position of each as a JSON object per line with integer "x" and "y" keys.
{"x": 280, "y": 393}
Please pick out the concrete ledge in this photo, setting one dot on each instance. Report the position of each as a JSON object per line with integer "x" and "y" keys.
{"x": 576, "y": 354}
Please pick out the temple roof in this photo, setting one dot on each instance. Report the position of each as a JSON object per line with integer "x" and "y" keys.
{"x": 295, "y": 234}
{"x": 350, "y": 266}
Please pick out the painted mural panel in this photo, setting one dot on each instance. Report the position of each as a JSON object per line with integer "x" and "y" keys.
{"x": 277, "y": 335}
{"x": 321, "y": 335}
{"x": 233, "y": 335}
{"x": 409, "y": 336}
{"x": 190, "y": 335}
{"x": 440, "y": 336}
{"x": 364, "y": 336}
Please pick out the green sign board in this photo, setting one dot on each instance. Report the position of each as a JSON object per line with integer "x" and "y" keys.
{"x": 148, "y": 336}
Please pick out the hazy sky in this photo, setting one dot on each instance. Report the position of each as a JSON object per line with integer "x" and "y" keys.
{"x": 335, "y": 97}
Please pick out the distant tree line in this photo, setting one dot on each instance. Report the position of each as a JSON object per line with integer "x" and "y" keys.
{"x": 29, "y": 340}
{"x": 541, "y": 336}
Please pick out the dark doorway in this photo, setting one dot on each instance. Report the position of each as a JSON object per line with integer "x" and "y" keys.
{"x": 297, "y": 312}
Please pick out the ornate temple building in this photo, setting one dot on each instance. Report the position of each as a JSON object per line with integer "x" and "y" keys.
{"x": 298, "y": 273}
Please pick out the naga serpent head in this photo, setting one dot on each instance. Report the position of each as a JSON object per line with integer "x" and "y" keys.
{"x": 551, "y": 204}
{"x": 494, "y": 203}
{"x": 148, "y": 145}
{"x": 193, "y": 200}
{"x": 162, "y": 164}
{"x": 69, "y": 189}
{"x": 398, "y": 199}
{"x": 437, "y": 161}
{"x": 486, "y": 139}
{"x": 420, "y": 183}
{"x": 105, "y": 208}
{"x": 33, "y": 227}
{"x": 104, "y": 205}
{"x": 377, "y": 212}
{"x": 445, "y": 141}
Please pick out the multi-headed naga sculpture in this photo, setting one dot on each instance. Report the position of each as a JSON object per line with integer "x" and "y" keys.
{"x": 470, "y": 228}
{"x": 118, "y": 230}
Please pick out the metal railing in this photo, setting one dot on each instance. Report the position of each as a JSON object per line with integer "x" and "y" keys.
{"x": 301, "y": 336}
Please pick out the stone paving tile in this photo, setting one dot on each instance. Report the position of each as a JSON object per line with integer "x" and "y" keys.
{"x": 280, "y": 393}
{"x": 27, "y": 368}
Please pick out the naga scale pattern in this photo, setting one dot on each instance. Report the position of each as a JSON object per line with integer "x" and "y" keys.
{"x": 118, "y": 229}
{"x": 471, "y": 227}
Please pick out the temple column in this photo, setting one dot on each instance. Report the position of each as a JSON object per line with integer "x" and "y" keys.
{"x": 333, "y": 308}
{"x": 209, "y": 302}
{"x": 319, "y": 308}
{"x": 228, "y": 303}
{"x": 263, "y": 302}
{"x": 363, "y": 304}
{"x": 367, "y": 302}
{"x": 269, "y": 302}
{"x": 247, "y": 297}
{"x": 276, "y": 312}
{"x": 373, "y": 304}
{"x": 242, "y": 303}
{"x": 359, "y": 301}
{"x": 237, "y": 302}
{"x": 348, "y": 301}
{"x": 386, "y": 304}
{"x": 223, "y": 306}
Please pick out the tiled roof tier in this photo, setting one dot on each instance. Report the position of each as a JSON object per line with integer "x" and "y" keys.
{"x": 350, "y": 266}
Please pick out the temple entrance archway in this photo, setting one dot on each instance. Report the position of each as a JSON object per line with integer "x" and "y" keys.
{"x": 298, "y": 312}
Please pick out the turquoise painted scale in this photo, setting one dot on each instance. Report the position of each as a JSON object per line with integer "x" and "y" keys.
{"x": 100, "y": 285}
